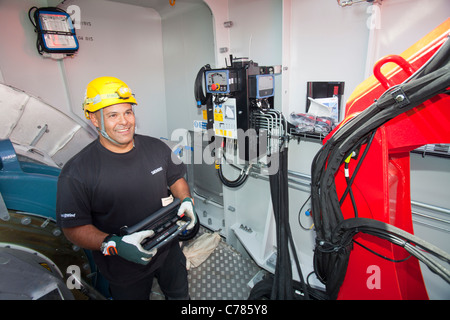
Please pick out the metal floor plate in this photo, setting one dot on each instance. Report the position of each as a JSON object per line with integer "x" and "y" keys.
{"x": 223, "y": 276}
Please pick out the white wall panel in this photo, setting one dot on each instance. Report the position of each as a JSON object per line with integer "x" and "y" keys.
{"x": 188, "y": 43}
{"x": 327, "y": 43}
{"x": 124, "y": 41}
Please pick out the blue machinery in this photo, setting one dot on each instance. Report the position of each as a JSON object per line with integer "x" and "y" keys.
{"x": 26, "y": 186}
{"x": 38, "y": 262}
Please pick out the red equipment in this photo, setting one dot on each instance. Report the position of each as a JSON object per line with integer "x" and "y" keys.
{"x": 382, "y": 186}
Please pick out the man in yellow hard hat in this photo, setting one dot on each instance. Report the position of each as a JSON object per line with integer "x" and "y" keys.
{"x": 118, "y": 180}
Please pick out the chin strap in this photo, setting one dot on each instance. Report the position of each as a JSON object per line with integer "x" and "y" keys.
{"x": 103, "y": 131}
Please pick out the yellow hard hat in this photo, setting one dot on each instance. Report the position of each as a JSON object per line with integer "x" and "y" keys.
{"x": 105, "y": 91}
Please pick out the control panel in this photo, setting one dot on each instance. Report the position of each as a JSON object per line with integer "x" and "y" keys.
{"x": 220, "y": 81}
{"x": 261, "y": 86}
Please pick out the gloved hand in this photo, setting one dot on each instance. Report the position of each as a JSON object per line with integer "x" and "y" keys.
{"x": 187, "y": 207}
{"x": 129, "y": 247}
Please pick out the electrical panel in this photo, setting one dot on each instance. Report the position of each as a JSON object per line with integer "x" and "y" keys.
{"x": 236, "y": 92}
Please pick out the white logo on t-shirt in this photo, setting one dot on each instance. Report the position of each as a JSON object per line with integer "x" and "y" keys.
{"x": 68, "y": 215}
{"x": 156, "y": 170}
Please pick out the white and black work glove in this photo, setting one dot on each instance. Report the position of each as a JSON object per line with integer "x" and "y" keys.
{"x": 187, "y": 208}
{"x": 129, "y": 247}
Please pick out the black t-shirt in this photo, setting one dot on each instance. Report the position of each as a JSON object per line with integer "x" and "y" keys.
{"x": 110, "y": 190}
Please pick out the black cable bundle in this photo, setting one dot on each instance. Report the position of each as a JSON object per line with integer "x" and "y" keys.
{"x": 333, "y": 243}
{"x": 231, "y": 183}
{"x": 281, "y": 285}
{"x": 243, "y": 175}
{"x": 200, "y": 97}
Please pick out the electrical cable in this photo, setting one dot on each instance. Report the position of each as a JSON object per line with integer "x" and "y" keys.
{"x": 363, "y": 156}
{"x": 352, "y": 197}
{"x": 331, "y": 253}
{"x": 281, "y": 285}
{"x": 219, "y": 98}
{"x": 240, "y": 180}
{"x": 199, "y": 95}
{"x": 397, "y": 236}
{"x": 300, "y": 214}
{"x": 379, "y": 255}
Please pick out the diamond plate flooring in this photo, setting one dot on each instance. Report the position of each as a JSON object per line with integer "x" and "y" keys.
{"x": 223, "y": 276}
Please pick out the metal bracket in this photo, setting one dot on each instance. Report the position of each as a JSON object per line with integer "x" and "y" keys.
{"x": 400, "y": 97}
{"x": 4, "y": 214}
